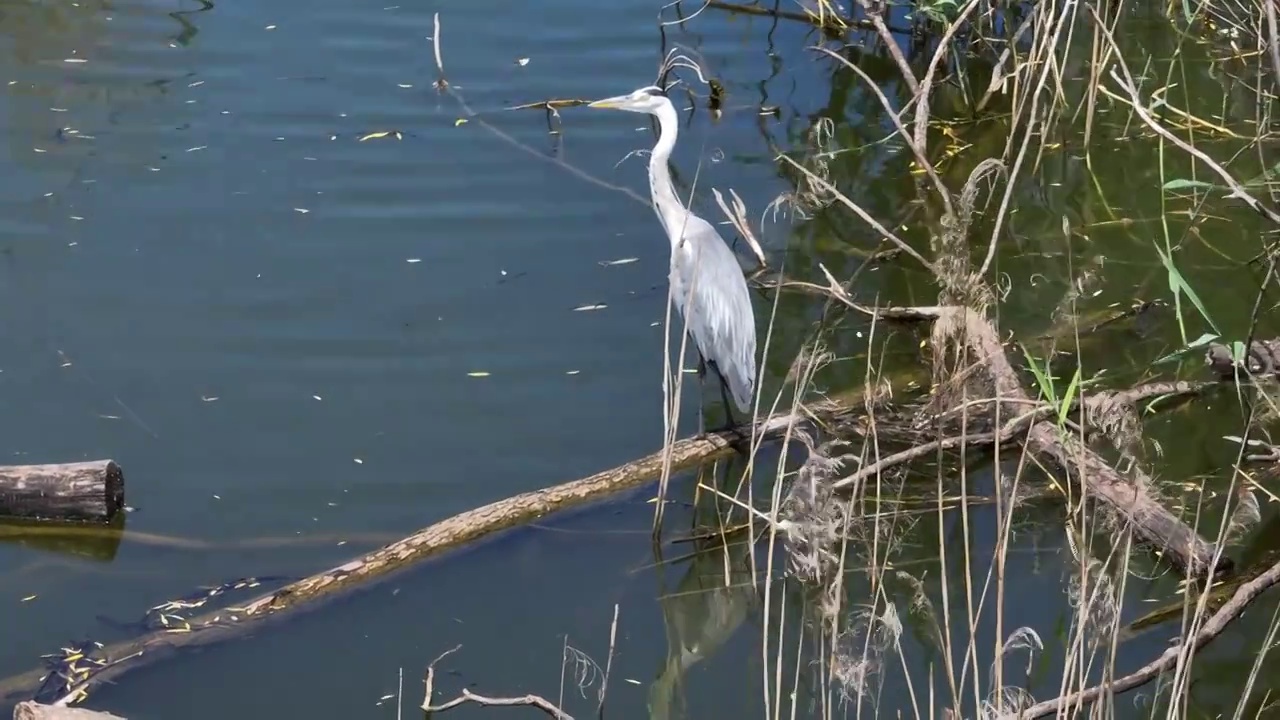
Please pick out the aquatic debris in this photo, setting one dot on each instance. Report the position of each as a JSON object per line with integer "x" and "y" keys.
{"x": 69, "y": 668}
{"x": 377, "y": 135}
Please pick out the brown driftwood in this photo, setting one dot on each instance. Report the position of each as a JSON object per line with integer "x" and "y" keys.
{"x": 1262, "y": 359}
{"x": 91, "y": 490}
{"x": 36, "y": 711}
{"x": 1130, "y": 497}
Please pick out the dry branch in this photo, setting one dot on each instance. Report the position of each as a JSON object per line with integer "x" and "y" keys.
{"x": 467, "y": 696}
{"x": 91, "y": 491}
{"x": 830, "y": 22}
{"x": 1019, "y": 424}
{"x": 1211, "y": 629}
{"x": 1131, "y": 498}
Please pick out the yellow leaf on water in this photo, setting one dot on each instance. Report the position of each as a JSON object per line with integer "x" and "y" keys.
{"x": 478, "y": 373}
{"x": 376, "y": 135}
{"x": 459, "y": 121}
{"x": 29, "y": 598}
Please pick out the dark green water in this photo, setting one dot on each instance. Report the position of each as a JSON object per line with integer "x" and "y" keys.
{"x": 272, "y": 326}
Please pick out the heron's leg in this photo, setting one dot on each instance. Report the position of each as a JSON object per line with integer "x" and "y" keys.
{"x": 702, "y": 389}
{"x": 742, "y": 442}
{"x": 728, "y": 406}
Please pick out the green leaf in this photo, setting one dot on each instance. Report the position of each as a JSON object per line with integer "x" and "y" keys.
{"x": 1199, "y": 342}
{"x": 1068, "y": 397}
{"x": 1178, "y": 283}
{"x": 1184, "y": 184}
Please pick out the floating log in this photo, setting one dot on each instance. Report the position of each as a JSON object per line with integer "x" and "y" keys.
{"x": 1262, "y": 358}
{"x": 36, "y": 711}
{"x": 91, "y": 491}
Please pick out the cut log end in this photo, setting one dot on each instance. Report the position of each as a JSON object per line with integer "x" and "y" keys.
{"x": 84, "y": 491}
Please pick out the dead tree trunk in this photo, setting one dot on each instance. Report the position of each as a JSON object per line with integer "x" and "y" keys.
{"x": 1131, "y": 497}
{"x": 91, "y": 491}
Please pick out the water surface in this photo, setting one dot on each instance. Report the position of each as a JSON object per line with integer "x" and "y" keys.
{"x": 301, "y": 341}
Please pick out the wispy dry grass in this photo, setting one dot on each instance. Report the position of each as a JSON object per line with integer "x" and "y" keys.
{"x": 865, "y": 620}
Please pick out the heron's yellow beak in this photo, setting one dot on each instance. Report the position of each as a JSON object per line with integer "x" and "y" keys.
{"x": 611, "y": 103}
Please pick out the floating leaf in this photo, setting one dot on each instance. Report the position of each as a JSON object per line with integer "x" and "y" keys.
{"x": 376, "y": 135}
{"x": 619, "y": 261}
{"x": 478, "y": 374}
{"x": 1184, "y": 184}
{"x": 587, "y": 308}
{"x": 459, "y": 121}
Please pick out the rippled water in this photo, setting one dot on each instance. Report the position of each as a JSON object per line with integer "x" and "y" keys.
{"x": 249, "y": 252}
{"x": 271, "y": 324}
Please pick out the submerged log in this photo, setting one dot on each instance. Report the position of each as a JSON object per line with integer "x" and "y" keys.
{"x": 1261, "y": 359}
{"x": 36, "y": 711}
{"x": 91, "y": 490}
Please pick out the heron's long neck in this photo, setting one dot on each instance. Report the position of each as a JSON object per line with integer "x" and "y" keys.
{"x": 666, "y": 203}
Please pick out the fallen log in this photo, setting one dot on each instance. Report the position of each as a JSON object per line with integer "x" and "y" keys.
{"x": 36, "y": 711}
{"x": 92, "y": 491}
{"x": 1131, "y": 498}
{"x": 457, "y": 531}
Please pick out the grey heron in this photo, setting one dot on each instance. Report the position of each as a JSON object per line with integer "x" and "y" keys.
{"x": 707, "y": 283}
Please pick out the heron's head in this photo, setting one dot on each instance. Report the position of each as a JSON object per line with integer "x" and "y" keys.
{"x": 645, "y": 100}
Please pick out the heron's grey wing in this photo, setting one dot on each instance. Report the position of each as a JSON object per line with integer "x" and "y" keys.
{"x": 718, "y": 312}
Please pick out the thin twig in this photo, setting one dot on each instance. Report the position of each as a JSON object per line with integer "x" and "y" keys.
{"x": 468, "y": 696}
{"x": 1129, "y": 87}
{"x": 443, "y": 86}
{"x": 916, "y": 144}
{"x": 1245, "y": 595}
{"x": 866, "y": 217}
